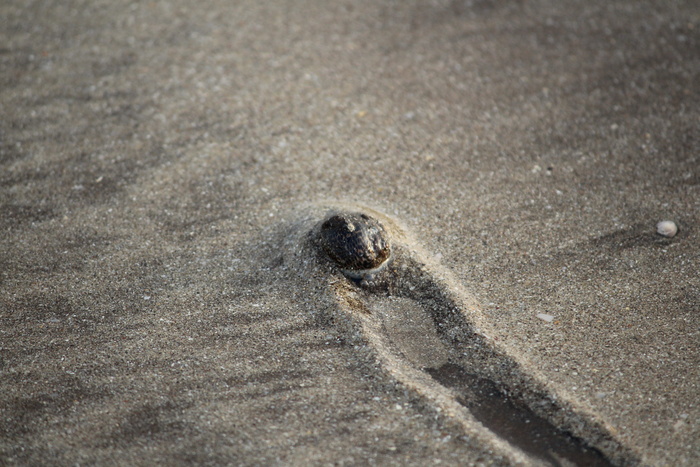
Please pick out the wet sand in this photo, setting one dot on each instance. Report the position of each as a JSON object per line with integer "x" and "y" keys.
{"x": 159, "y": 158}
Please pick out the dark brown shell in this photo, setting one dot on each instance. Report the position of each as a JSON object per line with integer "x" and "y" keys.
{"x": 355, "y": 241}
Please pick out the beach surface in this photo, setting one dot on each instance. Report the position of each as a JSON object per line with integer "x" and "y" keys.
{"x": 163, "y": 162}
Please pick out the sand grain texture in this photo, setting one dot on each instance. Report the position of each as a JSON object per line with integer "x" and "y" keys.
{"x": 155, "y": 155}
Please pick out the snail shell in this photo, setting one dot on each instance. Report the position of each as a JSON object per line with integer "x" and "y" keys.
{"x": 667, "y": 229}
{"x": 356, "y": 242}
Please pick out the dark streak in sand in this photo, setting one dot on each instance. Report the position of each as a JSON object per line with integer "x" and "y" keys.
{"x": 514, "y": 422}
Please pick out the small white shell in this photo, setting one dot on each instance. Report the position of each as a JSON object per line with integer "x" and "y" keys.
{"x": 667, "y": 228}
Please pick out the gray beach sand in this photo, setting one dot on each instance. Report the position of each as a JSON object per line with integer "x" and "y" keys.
{"x": 157, "y": 157}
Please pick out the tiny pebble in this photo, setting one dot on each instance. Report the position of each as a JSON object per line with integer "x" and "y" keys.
{"x": 667, "y": 228}
{"x": 545, "y": 317}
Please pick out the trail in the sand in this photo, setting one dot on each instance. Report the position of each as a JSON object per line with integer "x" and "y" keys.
{"x": 422, "y": 327}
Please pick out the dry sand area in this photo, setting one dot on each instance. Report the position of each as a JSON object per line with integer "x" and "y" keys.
{"x": 164, "y": 166}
